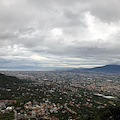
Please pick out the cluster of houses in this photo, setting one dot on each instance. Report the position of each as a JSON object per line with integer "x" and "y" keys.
{"x": 8, "y": 108}
{"x": 38, "y": 110}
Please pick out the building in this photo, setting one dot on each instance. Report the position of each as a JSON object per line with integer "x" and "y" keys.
{"x": 2, "y": 106}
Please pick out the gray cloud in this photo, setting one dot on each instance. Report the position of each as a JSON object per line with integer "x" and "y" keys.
{"x": 59, "y": 33}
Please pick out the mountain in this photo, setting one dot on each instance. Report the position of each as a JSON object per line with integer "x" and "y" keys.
{"x": 107, "y": 68}
{"x": 8, "y": 80}
{"x": 103, "y": 69}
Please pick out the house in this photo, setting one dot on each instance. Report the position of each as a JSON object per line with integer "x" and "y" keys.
{"x": 2, "y": 106}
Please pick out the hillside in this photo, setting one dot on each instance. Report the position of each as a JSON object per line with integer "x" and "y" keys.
{"x": 8, "y": 80}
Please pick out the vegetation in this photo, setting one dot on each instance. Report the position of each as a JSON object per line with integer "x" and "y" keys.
{"x": 7, "y": 116}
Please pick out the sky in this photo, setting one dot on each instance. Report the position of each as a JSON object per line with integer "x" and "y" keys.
{"x": 42, "y": 34}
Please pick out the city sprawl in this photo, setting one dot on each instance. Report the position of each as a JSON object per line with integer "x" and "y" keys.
{"x": 60, "y": 95}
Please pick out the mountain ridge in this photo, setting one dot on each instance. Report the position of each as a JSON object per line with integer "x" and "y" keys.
{"x": 105, "y": 69}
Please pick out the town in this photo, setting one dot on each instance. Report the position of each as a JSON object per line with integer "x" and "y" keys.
{"x": 59, "y": 95}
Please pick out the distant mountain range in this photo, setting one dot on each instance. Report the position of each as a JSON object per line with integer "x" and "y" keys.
{"x": 105, "y": 69}
{"x": 108, "y": 68}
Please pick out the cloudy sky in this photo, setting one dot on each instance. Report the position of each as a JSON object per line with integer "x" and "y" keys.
{"x": 36, "y": 34}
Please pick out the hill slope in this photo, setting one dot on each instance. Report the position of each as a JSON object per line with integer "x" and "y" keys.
{"x": 8, "y": 80}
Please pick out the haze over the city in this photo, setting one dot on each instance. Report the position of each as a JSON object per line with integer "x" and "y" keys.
{"x": 40, "y": 34}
